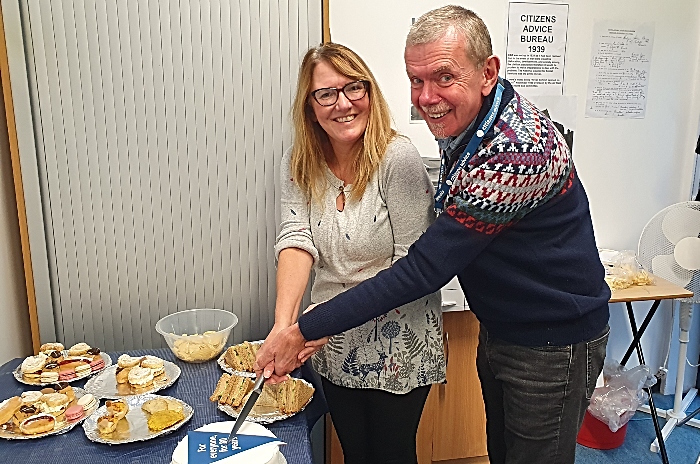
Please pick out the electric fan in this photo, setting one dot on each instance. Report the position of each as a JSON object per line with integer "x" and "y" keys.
{"x": 669, "y": 247}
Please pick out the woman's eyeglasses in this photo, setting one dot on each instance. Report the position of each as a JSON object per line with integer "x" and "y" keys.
{"x": 352, "y": 91}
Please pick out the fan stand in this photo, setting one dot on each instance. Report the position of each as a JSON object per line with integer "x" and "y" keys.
{"x": 680, "y": 403}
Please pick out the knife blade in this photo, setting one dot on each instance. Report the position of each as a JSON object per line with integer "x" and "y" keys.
{"x": 257, "y": 389}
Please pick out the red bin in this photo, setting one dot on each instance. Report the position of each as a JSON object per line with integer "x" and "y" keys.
{"x": 597, "y": 434}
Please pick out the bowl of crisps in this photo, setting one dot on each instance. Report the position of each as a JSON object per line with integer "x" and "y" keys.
{"x": 197, "y": 335}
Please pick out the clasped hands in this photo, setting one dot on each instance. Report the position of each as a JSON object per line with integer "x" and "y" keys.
{"x": 284, "y": 350}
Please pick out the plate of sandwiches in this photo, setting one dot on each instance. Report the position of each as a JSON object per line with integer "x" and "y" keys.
{"x": 51, "y": 411}
{"x": 133, "y": 375}
{"x": 55, "y": 364}
{"x": 276, "y": 402}
{"x": 239, "y": 359}
{"x": 136, "y": 418}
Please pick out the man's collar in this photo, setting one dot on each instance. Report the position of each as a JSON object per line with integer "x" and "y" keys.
{"x": 451, "y": 143}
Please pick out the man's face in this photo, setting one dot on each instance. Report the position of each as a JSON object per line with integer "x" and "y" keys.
{"x": 446, "y": 87}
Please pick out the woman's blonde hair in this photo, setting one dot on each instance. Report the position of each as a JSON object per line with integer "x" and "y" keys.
{"x": 308, "y": 163}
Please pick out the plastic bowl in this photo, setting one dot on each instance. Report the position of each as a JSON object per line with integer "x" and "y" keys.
{"x": 197, "y": 335}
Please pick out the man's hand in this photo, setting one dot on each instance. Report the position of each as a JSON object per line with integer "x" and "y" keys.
{"x": 279, "y": 355}
{"x": 312, "y": 347}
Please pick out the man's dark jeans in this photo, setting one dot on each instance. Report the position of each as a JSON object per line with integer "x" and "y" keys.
{"x": 536, "y": 397}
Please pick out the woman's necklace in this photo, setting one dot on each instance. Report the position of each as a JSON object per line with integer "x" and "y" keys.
{"x": 340, "y": 199}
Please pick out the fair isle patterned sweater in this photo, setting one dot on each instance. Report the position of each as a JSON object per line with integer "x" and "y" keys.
{"x": 517, "y": 232}
{"x": 395, "y": 351}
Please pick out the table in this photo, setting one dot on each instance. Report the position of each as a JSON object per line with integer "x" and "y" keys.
{"x": 661, "y": 290}
{"x": 195, "y": 385}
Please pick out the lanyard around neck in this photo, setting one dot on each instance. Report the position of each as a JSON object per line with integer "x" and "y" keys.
{"x": 444, "y": 183}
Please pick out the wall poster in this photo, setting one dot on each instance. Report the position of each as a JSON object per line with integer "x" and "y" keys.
{"x": 618, "y": 78}
{"x": 536, "y": 47}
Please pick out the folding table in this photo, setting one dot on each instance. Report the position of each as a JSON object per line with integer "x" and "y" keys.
{"x": 661, "y": 290}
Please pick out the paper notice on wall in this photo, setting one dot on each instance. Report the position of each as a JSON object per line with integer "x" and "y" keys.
{"x": 618, "y": 78}
{"x": 536, "y": 47}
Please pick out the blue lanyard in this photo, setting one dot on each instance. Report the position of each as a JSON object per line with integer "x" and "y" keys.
{"x": 445, "y": 184}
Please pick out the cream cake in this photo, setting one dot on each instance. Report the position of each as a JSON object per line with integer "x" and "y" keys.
{"x": 266, "y": 454}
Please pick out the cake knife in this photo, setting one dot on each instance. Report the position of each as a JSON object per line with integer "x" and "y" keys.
{"x": 257, "y": 389}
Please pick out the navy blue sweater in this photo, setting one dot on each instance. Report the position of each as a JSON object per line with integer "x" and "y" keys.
{"x": 518, "y": 234}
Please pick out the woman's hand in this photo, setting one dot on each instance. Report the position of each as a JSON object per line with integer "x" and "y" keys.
{"x": 269, "y": 369}
{"x": 279, "y": 356}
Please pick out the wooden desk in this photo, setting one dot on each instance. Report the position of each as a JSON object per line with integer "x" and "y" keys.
{"x": 661, "y": 290}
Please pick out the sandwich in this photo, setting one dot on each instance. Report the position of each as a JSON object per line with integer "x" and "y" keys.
{"x": 235, "y": 391}
{"x": 241, "y": 357}
{"x": 293, "y": 396}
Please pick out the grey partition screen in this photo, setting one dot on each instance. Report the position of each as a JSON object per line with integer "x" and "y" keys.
{"x": 150, "y": 134}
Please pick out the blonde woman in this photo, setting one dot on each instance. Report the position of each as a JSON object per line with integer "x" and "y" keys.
{"x": 355, "y": 196}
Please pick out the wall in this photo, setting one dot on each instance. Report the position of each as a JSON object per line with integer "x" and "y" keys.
{"x": 15, "y": 337}
{"x": 631, "y": 168}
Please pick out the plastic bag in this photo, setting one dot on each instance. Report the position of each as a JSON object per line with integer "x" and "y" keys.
{"x": 622, "y": 269}
{"x": 616, "y": 402}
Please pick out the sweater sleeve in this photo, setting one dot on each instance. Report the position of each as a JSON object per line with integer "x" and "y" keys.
{"x": 408, "y": 194}
{"x": 439, "y": 254}
{"x": 295, "y": 226}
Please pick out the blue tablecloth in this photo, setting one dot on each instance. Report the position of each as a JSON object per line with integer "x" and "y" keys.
{"x": 195, "y": 385}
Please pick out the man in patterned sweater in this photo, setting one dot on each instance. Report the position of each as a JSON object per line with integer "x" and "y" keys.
{"x": 515, "y": 229}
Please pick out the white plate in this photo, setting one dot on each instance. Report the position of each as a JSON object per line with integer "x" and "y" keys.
{"x": 226, "y": 368}
{"x": 105, "y": 385}
{"x": 62, "y": 427}
{"x": 263, "y": 415}
{"x": 134, "y": 427}
{"x": 18, "y": 372}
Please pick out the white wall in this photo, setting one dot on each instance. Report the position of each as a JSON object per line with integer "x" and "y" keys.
{"x": 631, "y": 168}
{"x": 15, "y": 336}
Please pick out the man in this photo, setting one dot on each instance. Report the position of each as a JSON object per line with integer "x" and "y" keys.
{"x": 516, "y": 230}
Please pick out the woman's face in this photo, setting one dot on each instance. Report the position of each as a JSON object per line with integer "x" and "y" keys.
{"x": 345, "y": 121}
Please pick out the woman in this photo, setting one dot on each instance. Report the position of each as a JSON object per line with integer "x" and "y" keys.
{"x": 355, "y": 196}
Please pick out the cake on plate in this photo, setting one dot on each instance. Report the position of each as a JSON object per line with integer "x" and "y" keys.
{"x": 266, "y": 454}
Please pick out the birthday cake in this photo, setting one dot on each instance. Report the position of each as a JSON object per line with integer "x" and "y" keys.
{"x": 265, "y": 454}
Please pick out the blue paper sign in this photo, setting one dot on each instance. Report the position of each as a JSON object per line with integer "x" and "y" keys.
{"x": 207, "y": 447}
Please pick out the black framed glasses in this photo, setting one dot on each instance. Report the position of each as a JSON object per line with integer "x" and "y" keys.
{"x": 352, "y": 91}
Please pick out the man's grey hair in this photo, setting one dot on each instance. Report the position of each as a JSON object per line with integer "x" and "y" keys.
{"x": 435, "y": 24}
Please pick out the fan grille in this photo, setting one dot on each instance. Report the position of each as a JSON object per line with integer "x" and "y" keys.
{"x": 654, "y": 242}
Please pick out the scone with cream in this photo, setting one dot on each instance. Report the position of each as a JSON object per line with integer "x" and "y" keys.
{"x": 140, "y": 376}
{"x": 154, "y": 363}
{"x": 79, "y": 349}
